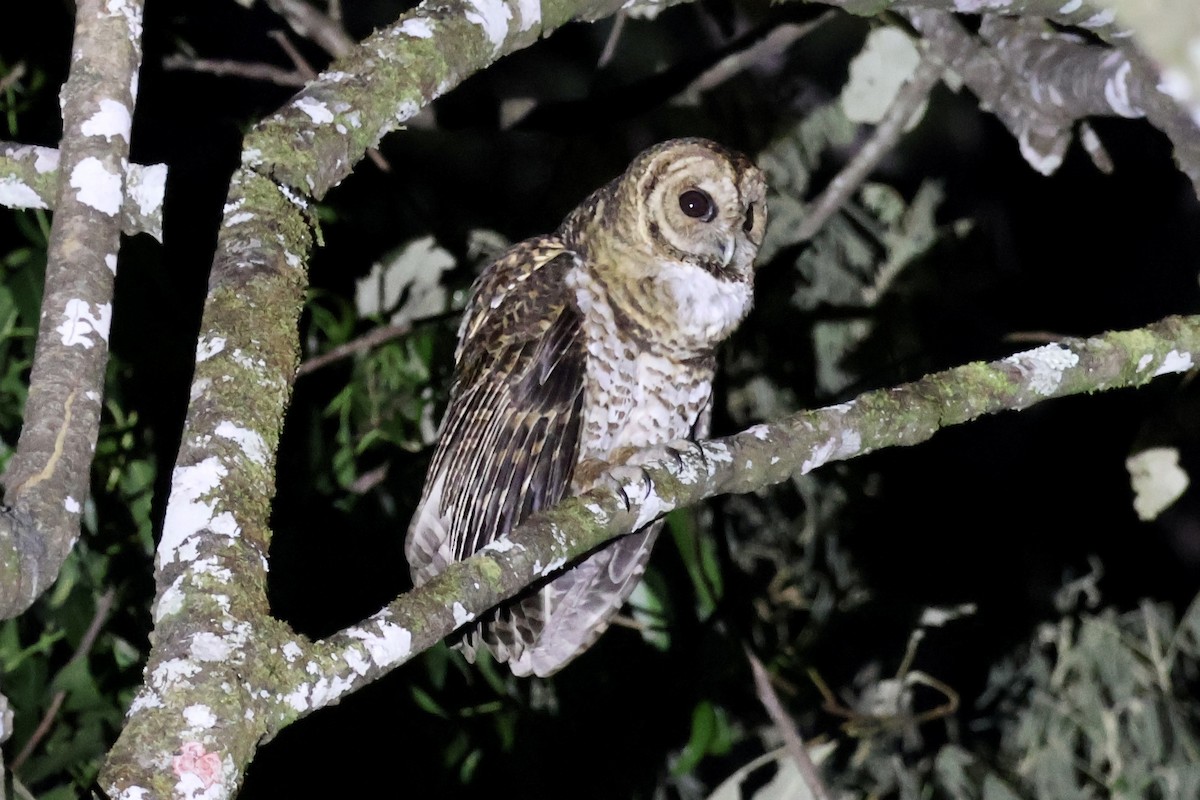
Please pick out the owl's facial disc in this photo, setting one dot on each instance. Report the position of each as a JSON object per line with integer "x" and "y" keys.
{"x": 704, "y": 205}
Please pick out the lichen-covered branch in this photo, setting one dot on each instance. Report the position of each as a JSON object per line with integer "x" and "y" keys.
{"x": 684, "y": 473}
{"x": 1037, "y": 82}
{"x": 1169, "y": 32}
{"x": 47, "y": 480}
{"x": 29, "y": 179}
{"x": 1041, "y": 82}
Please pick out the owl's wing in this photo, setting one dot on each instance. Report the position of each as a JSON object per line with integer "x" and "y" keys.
{"x": 510, "y": 437}
{"x": 576, "y": 607}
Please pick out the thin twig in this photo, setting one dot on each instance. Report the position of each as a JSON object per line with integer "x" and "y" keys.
{"x": 770, "y": 46}
{"x": 908, "y": 99}
{"x": 299, "y": 62}
{"x": 614, "y": 36}
{"x": 103, "y": 606}
{"x": 368, "y": 340}
{"x": 787, "y": 729}
{"x": 241, "y": 69}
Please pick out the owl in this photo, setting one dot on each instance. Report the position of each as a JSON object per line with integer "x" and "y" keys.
{"x": 575, "y": 350}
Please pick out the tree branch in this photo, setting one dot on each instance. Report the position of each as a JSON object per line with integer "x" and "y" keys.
{"x": 29, "y": 179}
{"x": 47, "y": 480}
{"x": 910, "y": 97}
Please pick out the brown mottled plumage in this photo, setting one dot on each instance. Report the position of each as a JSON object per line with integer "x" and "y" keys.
{"x": 595, "y": 339}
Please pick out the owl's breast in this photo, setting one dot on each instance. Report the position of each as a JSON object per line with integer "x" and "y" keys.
{"x": 635, "y": 394}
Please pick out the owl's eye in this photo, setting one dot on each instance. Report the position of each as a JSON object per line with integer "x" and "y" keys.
{"x": 697, "y": 205}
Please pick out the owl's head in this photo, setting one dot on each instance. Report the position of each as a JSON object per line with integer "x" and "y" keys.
{"x": 698, "y": 203}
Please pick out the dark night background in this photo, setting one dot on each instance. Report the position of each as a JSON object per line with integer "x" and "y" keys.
{"x": 999, "y": 513}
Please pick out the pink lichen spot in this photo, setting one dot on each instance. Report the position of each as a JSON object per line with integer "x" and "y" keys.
{"x": 195, "y": 767}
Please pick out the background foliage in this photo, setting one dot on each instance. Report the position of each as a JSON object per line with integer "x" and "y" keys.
{"x": 1076, "y": 663}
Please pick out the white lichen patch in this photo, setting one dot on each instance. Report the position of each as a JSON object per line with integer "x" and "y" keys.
{"x": 79, "y": 323}
{"x": 554, "y": 565}
{"x": 171, "y": 672}
{"x": 1045, "y": 162}
{"x": 207, "y": 348}
{"x": 171, "y": 601}
{"x": 110, "y": 261}
{"x": 72, "y": 505}
{"x": 1100, "y": 19}
{"x": 316, "y": 110}
{"x": 199, "y": 716}
{"x": 211, "y": 647}
{"x": 148, "y": 190}
{"x": 1157, "y": 479}
{"x": 212, "y": 568}
{"x": 461, "y": 615}
{"x": 760, "y": 432}
{"x": 841, "y": 445}
{"x": 1174, "y": 361}
{"x": 356, "y": 662}
{"x": 47, "y": 160}
{"x": 297, "y": 698}
{"x": 406, "y": 110}
{"x": 132, "y": 12}
{"x": 96, "y": 186}
{"x": 717, "y": 453}
{"x": 15, "y": 193}
{"x": 1116, "y": 88}
{"x": 327, "y": 690}
{"x": 1043, "y": 367}
{"x": 133, "y": 793}
{"x": 113, "y": 119}
{"x": 188, "y": 514}
{"x": 386, "y": 645}
{"x": 291, "y": 651}
{"x": 143, "y": 701}
{"x": 246, "y": 361}
{"x": 531, "y": 13}
{"x": 501, "y": 545}
{"x": 1071, "y": 6}
{"x": 251, "y": 442}
{"x": 493, "y": 17}
{"x": 238, "y": 218}
{"x": 416, "y": 27}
